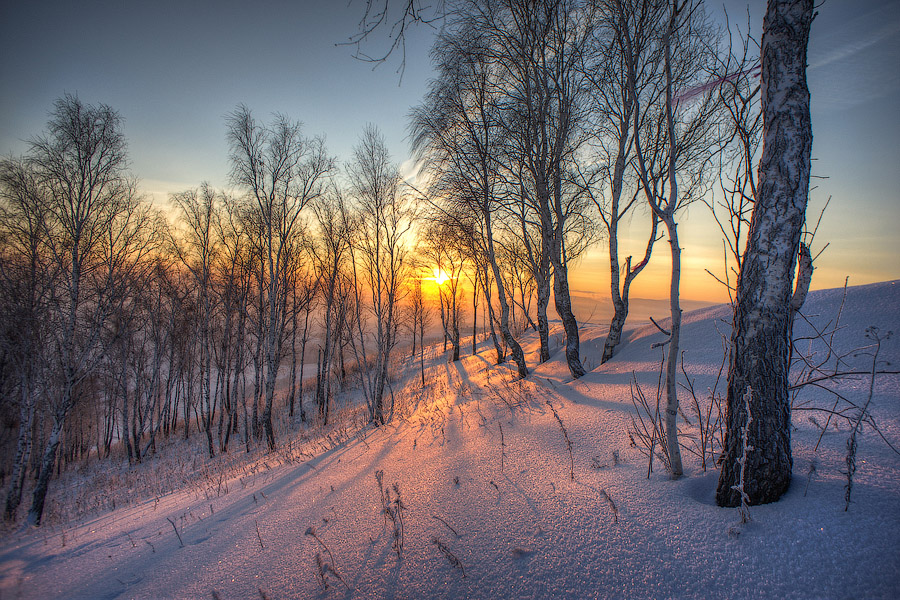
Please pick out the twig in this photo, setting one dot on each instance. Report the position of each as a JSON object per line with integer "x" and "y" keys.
{"x": 258, "y": 536}
{"x": 180, "y": 541}
{"x": 658, "y": 326}
{"x": 445, "y": 523}
{"x": 323, "y": 568}
{"x": 451, "y": 558}
{"x": 568, "y": 441}
{"x": 612, "y": 505}
{"x": 502, "y": 446}
{"x": 745, "y": 451}
{"x": 873, "y": 334}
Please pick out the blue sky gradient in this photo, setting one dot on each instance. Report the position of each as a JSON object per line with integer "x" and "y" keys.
{"x": 174, "y": 70}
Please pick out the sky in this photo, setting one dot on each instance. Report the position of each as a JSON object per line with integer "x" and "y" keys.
{"x": 173, "y": 70}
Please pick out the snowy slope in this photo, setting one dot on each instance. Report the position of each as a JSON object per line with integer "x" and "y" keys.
{"x": 489, "y": 509}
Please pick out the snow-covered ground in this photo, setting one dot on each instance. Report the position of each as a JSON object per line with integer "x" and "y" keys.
{"x": 480, "y": 487}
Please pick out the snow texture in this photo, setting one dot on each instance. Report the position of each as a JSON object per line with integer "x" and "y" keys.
{"x": 488, "y": 508}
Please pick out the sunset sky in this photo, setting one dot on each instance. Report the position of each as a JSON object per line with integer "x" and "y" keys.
{"x": 174, "y": 69}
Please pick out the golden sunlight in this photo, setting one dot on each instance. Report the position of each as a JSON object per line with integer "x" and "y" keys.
{"x": 440, "y": 276}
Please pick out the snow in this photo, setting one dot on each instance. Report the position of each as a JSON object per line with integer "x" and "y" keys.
{"x": 491, "y": 515}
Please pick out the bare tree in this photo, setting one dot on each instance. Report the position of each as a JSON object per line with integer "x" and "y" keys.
{"x": 536, "y": 254}
{"x": 133, "y": 358}
{"x": 458, "y": 131}
{"x": 96, "y": 239}
{"x": 331, "y": 255}
{"x": 673, "y": 151}
{"x": 521, "y": 277}
{"x": 471, "y": 238}
{"x": 625, "y": 34}
{"x": 381, "y": 249}
{"x": 281, "y": 171}
{"x": 738, "y": 93}
{"x": 441, "y": 246}
{"x": 26, "y": 277}
{"x": 196, "y": 247}
{"x": 760, "y": 341}
{"x": 542, "y": 49}
{"x": 304, "y": 289}
{"x": 421, "y": 319}
{"x": 233, "y": 279}
{"x": 395, "y": 18}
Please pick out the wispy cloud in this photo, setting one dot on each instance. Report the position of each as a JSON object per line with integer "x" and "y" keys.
{"x": 853, "y": 60}
{"x": 861, "y": 33}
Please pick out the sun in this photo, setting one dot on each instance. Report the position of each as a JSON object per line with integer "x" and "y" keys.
{"x": 440, "y": 277}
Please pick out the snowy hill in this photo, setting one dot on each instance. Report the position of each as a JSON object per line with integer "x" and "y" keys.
{"x": 485, "y": 500}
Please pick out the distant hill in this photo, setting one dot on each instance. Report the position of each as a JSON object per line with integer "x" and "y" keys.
{"x": 589, "y": 308}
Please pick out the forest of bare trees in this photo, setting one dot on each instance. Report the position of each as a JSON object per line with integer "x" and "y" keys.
{"x": 546, "y": 127}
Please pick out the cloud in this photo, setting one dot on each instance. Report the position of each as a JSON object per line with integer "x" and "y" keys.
{"x": 861, "y": 34}
{"x": 853, "y": 60}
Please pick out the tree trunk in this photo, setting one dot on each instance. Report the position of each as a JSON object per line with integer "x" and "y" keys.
{"x": 271, "y": 375}
{"x": 443, "y": 318}
{"x": 543, "y": 300}
{"x": 760, "y": 343}
{"x": 475, "y": 319}
{"x": 23, "y": 447}
{"x": 303, "y": 342}
{"x": 36, "y": 512}
{"x": 453, "y": 311}
{"x": 804, "y": 278}
{"x": 292, "y": 398}
{"x": 257, "y": 369}
{"x": 511, "y": 343}
{"x": 486, "y": 289}
{"x": 614, "y": 337}
{"x": 673, "y": 449}
{"x": 422, "y": 345}
{"x": 126, "y": 417}
{"x": 564, "y": 310}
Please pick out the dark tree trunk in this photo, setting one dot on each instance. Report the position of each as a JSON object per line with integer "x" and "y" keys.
{"x": 514, "y": 348}
{"x": 302, "y": 362}
{"x": 486, "y": 290}
{"x": 760, "y": 339}
{"x": 23, "y": 447}
{"x": 422, "y": 345}
{"x": 39, "y": 495}
{"x": 543, "y": 300}
{"x": 564, "y": 310}
{"x": 475, "y": 319}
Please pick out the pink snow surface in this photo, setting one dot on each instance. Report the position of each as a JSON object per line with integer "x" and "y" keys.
{"x": 497, "y": 516}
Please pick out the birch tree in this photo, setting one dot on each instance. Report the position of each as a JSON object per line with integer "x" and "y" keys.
{"x": 233, "y": 280}
{"x": 625, "y": 35}
{"x": 760, "y": 342}
{"x": 331, "y": 255}
{"x": 281, "y": 171}
{"x": 673, "y": 151}
{"x": 382, "y": 252}
{"x": 26, "y": 277}
{"x": 196, "y": 248}
{"x": 457, "y": 131}
{"x": 96, "y": 226}
{"x": 541, "y": 50}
